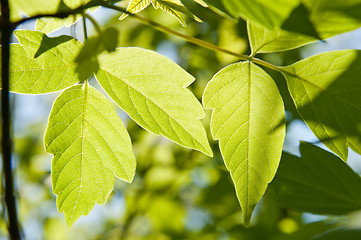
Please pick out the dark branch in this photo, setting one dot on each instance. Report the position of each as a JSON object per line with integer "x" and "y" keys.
{"x": 63, "y": 14}
{"x": 10, "y": 201}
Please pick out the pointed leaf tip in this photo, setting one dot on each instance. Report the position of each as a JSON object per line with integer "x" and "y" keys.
{"x": 152, "y": 90}
{"x": 329, "y": 82}
{"x": 248, "y": 122}
{"x": 90, "y": 146}
{"x": 40, "y": 64}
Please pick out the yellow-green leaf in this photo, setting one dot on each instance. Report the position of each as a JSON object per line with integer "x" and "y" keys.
{"x": 248, "y": 120}
{"x": 268, "y": 13}
{"x": 152, "y": 90}
{"x": 263, "y": 40}
{"x": 327, "y": 92}
{"x": 135, "y": 6}
{"x": 41, "y": 64}
{"x": 173, "y": 7}
{"x": 90, "y": 146}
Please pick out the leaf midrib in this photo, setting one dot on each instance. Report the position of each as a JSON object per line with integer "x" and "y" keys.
{"x": 249, "y": 120}
{"x": 129, "y": 85}
{"x": 305, "y": 79}
{"x": 82, "y": 145}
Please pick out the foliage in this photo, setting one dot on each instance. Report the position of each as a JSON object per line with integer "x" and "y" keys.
{"x": 90, "y": 145}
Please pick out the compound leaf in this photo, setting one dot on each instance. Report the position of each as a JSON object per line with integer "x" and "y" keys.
{"x": 317, "y": 182}
{"x": 41, "y": 64}
{"x": 248, "y": 119}
{"x": 152, "y": 90}
{"x": 327, "y": 92}
{"x": 90, "y": 146}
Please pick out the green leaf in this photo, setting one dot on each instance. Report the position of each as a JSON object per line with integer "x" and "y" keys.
{"x": 90, "y": 146}
{"x": 87, "y": 59}
{"x": 268, "y": 13}
{"x": 325, "y": 19}
{"x": 317, "y": 182}
{"x": 343, "y": 233}
{"x": 327, "y": 93}
{"x": 152, "y": 90}
{"x": 173, "y": 7}
{"x": 299, "y": 22}
{"x": 135, "y": 6}
{"x": 32, "y": 8}
{"x": 52, "y": 69}
{"x": 201, "y": 2}
{"x": 109, "y": 39}
{"x": 334, "y": 17}
{"x": 36, "y": 7}
{"x": 263, "y": 40}
{"x": 248, "y": 119}
{"x": 49, "y": 25}
{"x": 218, "y": 5}
{"x": 313, "y": 229}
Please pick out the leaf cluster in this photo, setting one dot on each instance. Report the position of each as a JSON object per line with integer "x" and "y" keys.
{"x": 90, "y": 145}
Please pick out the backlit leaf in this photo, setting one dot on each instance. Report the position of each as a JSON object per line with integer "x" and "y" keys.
{"x": 87, "y": 59}
{"x": 41, "y": 64}
{"x": 201, "y": 2}
{"x": 317, "y": 182}
{"x": 334, "y": 17}
{"x": 49, "y": 25}
{"x": 90, "y": 146}
{"x": 263, "y": 40}
{"x": 327, "y": 94}
{"x": 135, "y": 6}
{"x": 247, "y": 118}
{"x": 268, "y": 13}
{"x": 218, "y": 5}
{"x": 152, "y": 90}
{"x": 326, "y": 19}
{"x": 173, "y": 7}
{"x": 19, "y": 8}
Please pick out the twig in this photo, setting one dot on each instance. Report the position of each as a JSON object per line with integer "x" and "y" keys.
{"x": 62, "y": 14}
{"x": 84, "y": 28}
{"x": 162, "y": 28}
{"x": 94, "y": 22}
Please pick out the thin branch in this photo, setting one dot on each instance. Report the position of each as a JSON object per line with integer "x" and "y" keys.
{"x": 199, "y": 42}
{"x": 10, "y": 200}
{"x": 165, "y": 29}
{"x": 62, "y": 14}
{"x": 84, "y": 28}
{"x": 162, "y": 28}
{"x": 94, "y": 22}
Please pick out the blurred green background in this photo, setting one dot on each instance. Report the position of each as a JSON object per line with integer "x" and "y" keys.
{"x": 177, "y": 193}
